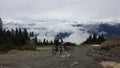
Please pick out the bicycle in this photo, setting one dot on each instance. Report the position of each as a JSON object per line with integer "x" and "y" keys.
{"x": 60, "y": 48}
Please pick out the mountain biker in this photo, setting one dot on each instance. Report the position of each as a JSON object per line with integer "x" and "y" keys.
{"x": 58, "y": 41}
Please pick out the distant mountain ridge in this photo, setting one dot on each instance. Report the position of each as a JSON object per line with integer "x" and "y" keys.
{"x": 69, "y": 30}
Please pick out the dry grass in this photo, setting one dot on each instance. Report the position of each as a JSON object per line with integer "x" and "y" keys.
{"x": 110, "y": 64}
{"x": 107, "y": 45}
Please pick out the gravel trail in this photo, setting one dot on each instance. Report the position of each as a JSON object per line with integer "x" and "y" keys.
{"x": 43, "y": 58}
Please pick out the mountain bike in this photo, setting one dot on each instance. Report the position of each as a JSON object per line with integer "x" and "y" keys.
{"x": 60, "y": 49}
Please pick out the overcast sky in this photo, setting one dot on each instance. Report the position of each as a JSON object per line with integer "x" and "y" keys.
{"x": 60, "y": 9}
{"x": 37, "y": 10}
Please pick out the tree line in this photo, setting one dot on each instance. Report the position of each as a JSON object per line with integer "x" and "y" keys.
{"x": 10, "y": 39}
{"x": 44, "y": 42}
{"x": 95, "y": 39}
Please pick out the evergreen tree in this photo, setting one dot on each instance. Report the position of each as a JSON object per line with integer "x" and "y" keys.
{"x": 0, "y": 28}
{"x": 94, "y": 40}
{"x": 12, "y": 32}
{"x": 101, "y": 39}
{"x": 35, "y": 40}
{"x": 25, "y": 34}
{"x": 89, "y": 40}
{"x": 20, "y": 36}
{"x": 47, "y": 43}
{"x": 44, "y": 41}
{"x": 39, "y": 42}
{"x": 14, "y": 38}
{"x": 1, "y": 24}
{"x": 51, "y": 42}
{"x": 16, "y": 33}
{"x": 31, "y": 34}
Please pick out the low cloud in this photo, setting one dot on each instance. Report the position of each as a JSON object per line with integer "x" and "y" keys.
{"x": 49, "y": 30}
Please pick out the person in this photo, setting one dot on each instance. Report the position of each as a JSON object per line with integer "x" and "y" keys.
{"x": 58, "y": 41}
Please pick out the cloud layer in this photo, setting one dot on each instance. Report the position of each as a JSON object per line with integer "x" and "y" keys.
{"x": 49, "y": 30}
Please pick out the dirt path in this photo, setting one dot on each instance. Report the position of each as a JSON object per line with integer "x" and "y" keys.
{"x": 75, "y": 58}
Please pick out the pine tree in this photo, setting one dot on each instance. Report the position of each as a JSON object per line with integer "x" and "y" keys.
{"x": 14, "y": 38}
{"x": 12, "y": 32}
{"x": 31, "y": 34}
{"x": 94, "y": 40}
{"x": 51, "y": 42}
{"x": 36, "y": 40}
{"x": 89, "y": 40}
{"x": 1, "y": 24}
{"x": 0, "y": 28}
{"x": 16, "y": 32}
{"x": 39, "y": 42}
{"x": 47, "y": 43}
{"x": 101, "y": 39}
{"x": 25, "y": 33}
{"x": 21, "y": 37}
{"x": 44, "y": 41}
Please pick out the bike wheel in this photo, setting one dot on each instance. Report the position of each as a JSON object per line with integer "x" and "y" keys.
{"x": 54, "y": 50}
{"x": 61, "y": 50}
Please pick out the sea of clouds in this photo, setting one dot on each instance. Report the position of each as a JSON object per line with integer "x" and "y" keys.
{"x": 49, "y": 29}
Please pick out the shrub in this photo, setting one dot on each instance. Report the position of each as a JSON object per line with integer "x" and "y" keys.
{"x": 5, "y": 47}
{"x": 107, "y": 45}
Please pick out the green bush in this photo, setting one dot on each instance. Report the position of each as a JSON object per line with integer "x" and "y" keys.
{"x": 5, "y": 47}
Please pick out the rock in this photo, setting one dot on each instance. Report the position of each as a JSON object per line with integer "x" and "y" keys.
{"x": 110, "y": 64}
{"x": 75, "y": 63}
{"x": 95, "y": 45}
{"x": 117, "y": 65}
{"x": 12, "y": 52}
{"x": 67, "y": 56}
{"x": 63, "y": 56}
